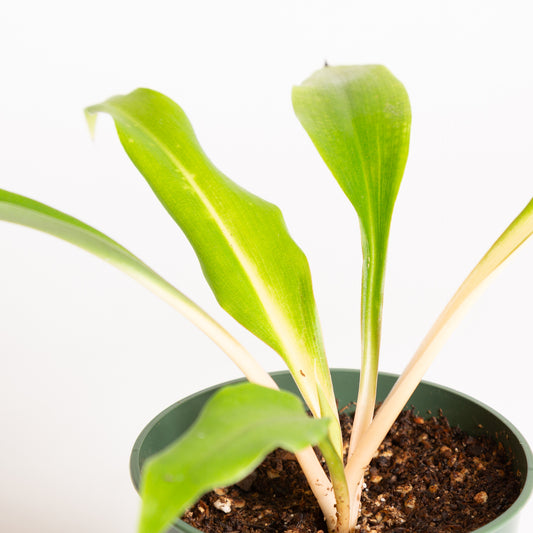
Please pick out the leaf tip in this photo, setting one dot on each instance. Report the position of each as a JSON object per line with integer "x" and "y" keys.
{"x": 90, "y": 117}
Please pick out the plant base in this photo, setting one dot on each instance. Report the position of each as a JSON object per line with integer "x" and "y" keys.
{"x": 471, "y": 416}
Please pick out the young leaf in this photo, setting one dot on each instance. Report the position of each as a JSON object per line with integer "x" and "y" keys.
{"x": 21, "y": 210}
{"x": 257, "y": 272}
{"x": 237, "y": 428}
{"x": 359, "y": 119}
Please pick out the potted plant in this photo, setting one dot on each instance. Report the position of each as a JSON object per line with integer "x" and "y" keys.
{"x": 358, "y": 117}
{"x": 386, "y": 502}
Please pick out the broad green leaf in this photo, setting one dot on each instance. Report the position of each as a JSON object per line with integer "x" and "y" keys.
{"x": 256, "y": 271}
{"x": 21, "y": 210}
{"x": 359, "y": 119}
{"x": 237, "y": 428}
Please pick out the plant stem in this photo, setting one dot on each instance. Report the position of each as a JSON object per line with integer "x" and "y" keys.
{"x": 340, "y": 487}
{"x": 229, "y": 345}
{"x": 320, "y": 485}
{"x": 371, "y": 308}
{"x": 372, "y": 283}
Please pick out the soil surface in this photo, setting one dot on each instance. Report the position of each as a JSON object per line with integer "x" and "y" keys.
{"x": 426, "y": 477}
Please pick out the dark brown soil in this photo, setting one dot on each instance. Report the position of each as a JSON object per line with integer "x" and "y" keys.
{"x": 426, "y": 477}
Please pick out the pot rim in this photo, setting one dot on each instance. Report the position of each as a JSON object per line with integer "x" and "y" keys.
{"x": 493, "y": 526}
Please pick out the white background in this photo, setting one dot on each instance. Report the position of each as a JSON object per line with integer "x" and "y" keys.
{"x": 88, "y": 357}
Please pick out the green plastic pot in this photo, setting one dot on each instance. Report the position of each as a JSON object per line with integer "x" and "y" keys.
{"x": 472, "y": 416}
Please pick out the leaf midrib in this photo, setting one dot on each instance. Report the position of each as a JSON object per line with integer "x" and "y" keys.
{"x": 365, "y": 170}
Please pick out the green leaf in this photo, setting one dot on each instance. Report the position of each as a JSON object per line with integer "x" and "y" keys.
{"x": 256, "y": 271}
{"x": 237, "y": 428}
{"x": 21, "y": 210}
{"x": 359, "y": 119}
{"x": 27, "y": 212}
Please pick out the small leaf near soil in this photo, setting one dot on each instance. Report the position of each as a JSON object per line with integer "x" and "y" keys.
{"x": 238, "y": 427}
